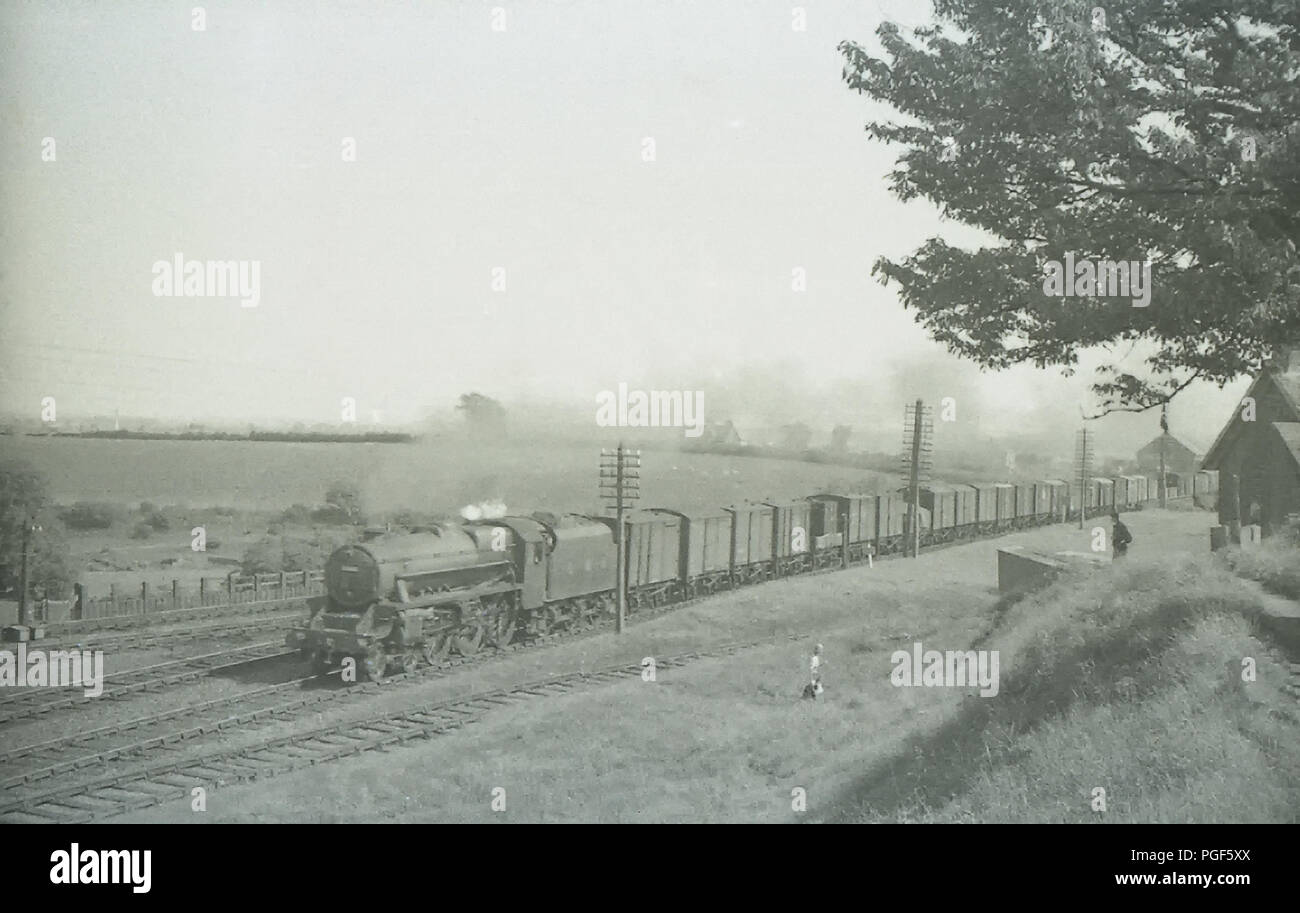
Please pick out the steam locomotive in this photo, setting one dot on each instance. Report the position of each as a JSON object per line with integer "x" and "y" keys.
{"x": 399, "y": 597}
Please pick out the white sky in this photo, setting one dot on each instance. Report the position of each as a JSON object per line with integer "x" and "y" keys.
{"x": 476, "y": 149}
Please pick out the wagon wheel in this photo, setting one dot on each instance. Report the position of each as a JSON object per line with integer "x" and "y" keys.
{"x": 556, "y": 619}
{"x": 436, "y": 648}
{"x": 582, "y": 617}
{"x": 410, "y": 662}
{"x": 375, "y": 663}
{"x": 469, "y": 639}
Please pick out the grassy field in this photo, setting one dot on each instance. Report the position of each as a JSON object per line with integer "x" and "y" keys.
{"x": 435, "y": 476}
{"x": 1128, "y": 680}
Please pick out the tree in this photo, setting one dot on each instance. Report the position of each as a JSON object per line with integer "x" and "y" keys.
{"x": 1160, "y": 130}
{"x": 483, "y": 413}
{"x": 24, "y": 494}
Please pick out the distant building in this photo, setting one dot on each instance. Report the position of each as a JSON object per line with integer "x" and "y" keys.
{"x": 1178, "y": 456}
{"x": 1257, "y": 453}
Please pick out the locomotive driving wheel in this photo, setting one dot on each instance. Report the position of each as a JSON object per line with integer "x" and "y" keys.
{"x": 436, "y": 648}
{"x": 503, "y": 630}
{"x": 469, "y": 639}
{"x": 320, "y": 662}
{"x": 375, "y": 663}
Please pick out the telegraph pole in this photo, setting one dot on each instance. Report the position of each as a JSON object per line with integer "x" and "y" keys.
{"x": 918, "y": 444}
{"x": 1164, "y": 433}
{"x": 620, "y": 475}
{"x": 29, "y": 527}
{"x": 1083, "y": 470}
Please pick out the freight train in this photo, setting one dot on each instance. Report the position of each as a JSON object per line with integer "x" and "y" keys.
{"x": 396, "y": 598}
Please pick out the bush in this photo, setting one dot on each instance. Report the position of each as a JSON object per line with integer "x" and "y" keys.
{"x": 347, "y": 499}
{"x": 141, "y": 531}
{"x": 90, "y": 515}
{"x": 297, "y": 515}
{"x": 147, "y": 508}
{"x": 158, "y": 521}
{"x": 332, "y": 514}
{"x": 273, "y": 554}
{"x": 261, "y": 557}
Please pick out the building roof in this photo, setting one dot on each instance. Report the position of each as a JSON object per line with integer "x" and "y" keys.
{"x": 1290, "y": 434}
{"x": 1288, "y": 386}
{"x": 1169, "y": 440}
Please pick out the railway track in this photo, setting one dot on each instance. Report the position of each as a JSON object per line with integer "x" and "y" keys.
{"x": 169, "y": 779}
{"x": 99, "y": 745}
{"x": 30, "y": 701}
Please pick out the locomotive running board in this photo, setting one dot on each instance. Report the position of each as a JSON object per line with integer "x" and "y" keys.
{"x": 450, "y": 597}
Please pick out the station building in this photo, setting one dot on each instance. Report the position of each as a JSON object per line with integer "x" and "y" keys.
{"x": 1257, "y": 453}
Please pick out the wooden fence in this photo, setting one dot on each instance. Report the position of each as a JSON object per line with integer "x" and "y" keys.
{"x": 235, "y": 589}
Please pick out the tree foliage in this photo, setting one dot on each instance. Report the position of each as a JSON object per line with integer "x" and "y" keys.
{"x": 24, "y": 496}
{"x": 483, "y": 413}
{"x": 1129, "y": 138}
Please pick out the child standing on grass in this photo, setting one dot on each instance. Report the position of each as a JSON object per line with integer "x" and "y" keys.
{"x": 815, "y": 669}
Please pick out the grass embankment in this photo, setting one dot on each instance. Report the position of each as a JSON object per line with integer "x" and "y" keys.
{"x": 1275, "y": 564}
{"x": 1131, "y": 682}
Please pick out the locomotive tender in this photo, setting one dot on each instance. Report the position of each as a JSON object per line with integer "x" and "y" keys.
{"x": 397, "y": 597}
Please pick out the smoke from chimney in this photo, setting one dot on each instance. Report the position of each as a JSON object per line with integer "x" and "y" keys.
{"x": 484, "y": 510}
